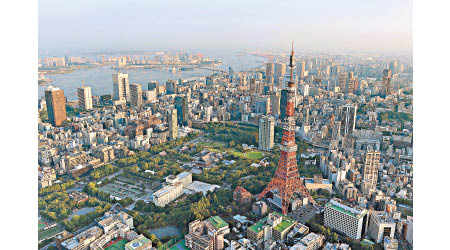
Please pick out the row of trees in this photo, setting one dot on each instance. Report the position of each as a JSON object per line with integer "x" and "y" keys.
{"x": 56, "y": 187}
{"x": 78, "y": 221}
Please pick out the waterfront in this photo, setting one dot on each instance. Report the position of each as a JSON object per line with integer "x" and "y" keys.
{"x": 100, "y": 78}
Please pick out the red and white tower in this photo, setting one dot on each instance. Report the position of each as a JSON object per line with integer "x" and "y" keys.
{"x": 286, "y": 180}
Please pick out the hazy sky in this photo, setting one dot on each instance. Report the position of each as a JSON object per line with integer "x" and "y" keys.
{"x": 324, "y": 25}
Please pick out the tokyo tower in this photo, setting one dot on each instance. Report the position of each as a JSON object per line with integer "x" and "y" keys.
{"x": 286, "y": 180}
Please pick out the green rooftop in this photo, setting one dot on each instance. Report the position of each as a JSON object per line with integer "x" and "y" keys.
{"x": 257, "y": 227}
{"x": 342, "y": 210}
{"x": 217, "y": 222}
{"x": 285, "y": 223}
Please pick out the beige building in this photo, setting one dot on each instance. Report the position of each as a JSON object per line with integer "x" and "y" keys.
{"x": 136, "y": 94}
{"x": 121, "y": 87}
{"x": 173, "y": 125}
{"x": 84, "y": 97}
{"x": 370, "y": 169}
{"x": 266, "y": 132}
{"x": 207, "y": 235}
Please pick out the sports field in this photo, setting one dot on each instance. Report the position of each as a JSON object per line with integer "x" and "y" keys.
{"x": 179, "y": 246}
{"x": 119, "y": 245}
{"x": 49, "y": 233}
{"x": 42, "y": 224}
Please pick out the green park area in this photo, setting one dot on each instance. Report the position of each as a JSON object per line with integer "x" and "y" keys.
{"x": 255, "y": 155}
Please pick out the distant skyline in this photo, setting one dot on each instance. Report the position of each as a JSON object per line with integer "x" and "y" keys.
{"x": 380, "y": 26}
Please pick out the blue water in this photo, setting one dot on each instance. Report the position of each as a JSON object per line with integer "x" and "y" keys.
{"x": 100, "y": 79}
{"x": 82, "y": 211}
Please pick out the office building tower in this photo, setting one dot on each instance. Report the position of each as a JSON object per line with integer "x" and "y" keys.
{"x": 301, "y": 70}
{"x": 173, "y": 125}
{"x": 266, "y": 132}
{"x": 181, "y": 104}
{"x": 347, "y": 116}
{"x": 342, "y": 81}
{"x": 136, "y": 95}
{"x": 152, "y": 85}
{"x": 121, "y": 87}
{"x": 171, "y": 87}
{"x": 381, "y": 225}
{"x": 262, "y": 105}
{"x": 351, "y": 221}
{"x": 84, "y": 97}
{"x": 387, "y": 74}
{"x": 275, "y": 103}
{"x": 280, "y": 72}
{"x": 270, "y": 70}
{"x": 56, "y": 105}
{"x": 370, "y": 170}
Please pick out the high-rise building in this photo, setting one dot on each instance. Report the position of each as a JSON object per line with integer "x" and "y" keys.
{"x": 121, "y": 87}
{"x": 136, "y": 94}
{"x": 370, "y": 170}
{"x": 280, "y": 72}
{"x": 56, "y": 105}
{"x": 351, "y": 221}
{"x": 347, "y": 116}
{"x": 171, "y": 87}
{"x": 387, "y": 74}
{"x": 152, "y": 85}
{"x": 270, "y": 70}
{"x": 381, "y": 225}
{"x": 84, "y": 97}
{"x": 266, "y": 132}
{"x": 173, "y": 125}
{"x": 275, "y": 103}
{"x": 301, "y": 70}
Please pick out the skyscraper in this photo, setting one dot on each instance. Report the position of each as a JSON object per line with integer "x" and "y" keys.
{"x": 270, "y": 69}
{"x": 387, "y": 74}
{"x": 121, "y": 87}
{"x": 84, "y": 97}
{"x": 173, "y": 125}
{"x": 266, "y": 132}
{"x": 136, "y": 94}
{"x": 56, "y": 105}
{"x": 171, "y": 87}
{"x": 370, "y": 171}
{"x": 181, "y": 104}
{"x": 301, "y": 70}
{"x": 280, "y": 72}
{"x": 347, "y": 116}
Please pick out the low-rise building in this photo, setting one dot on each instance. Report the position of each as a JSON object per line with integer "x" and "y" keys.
{"x": 141, "y": 243}
{"x": 311, "y": 241}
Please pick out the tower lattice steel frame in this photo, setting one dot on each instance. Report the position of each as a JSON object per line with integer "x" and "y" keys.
{"x": 287, "y": 179}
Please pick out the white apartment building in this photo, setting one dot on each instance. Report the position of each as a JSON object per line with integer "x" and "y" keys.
{"x": 351, "y": 221}
{"x": 266, "y": 132}
{"x": 381, "y": 225}
{"x": 121, "y": 87}
{"x": 84, "y": 97}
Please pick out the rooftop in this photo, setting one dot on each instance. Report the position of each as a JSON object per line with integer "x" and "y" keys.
{"x": 217, "y": 222}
